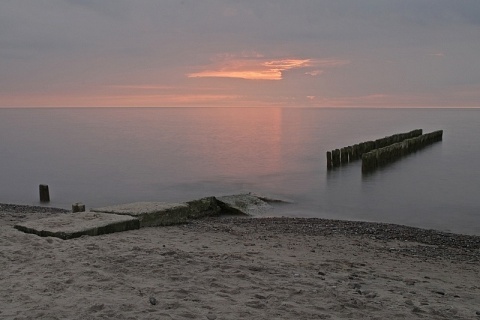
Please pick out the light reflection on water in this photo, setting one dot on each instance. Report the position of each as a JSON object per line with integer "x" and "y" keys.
{"x": 109, "y": 156}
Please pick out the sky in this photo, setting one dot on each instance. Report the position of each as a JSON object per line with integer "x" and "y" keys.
{"x": 292, "y": 53}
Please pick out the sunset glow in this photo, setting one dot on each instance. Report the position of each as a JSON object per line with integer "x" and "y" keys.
{"x": 261, "y": 68}
{"x": 246, "y": 74}
{"x": 312, "y": 54}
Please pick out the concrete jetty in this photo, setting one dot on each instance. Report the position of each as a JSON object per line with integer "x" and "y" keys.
{"x": 137, "y": 215}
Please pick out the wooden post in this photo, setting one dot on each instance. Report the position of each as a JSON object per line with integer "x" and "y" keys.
{"x": 78, "y": 207}
{"x": 366, "y": 162}
{"x": 336, "y": 157}
{"x": 44, "y": 194}
{"x": 361, "y": 149}
{"x": 350, "y": 153}
{"x": 343, "y": 156}
{"x": 355, "y": 152}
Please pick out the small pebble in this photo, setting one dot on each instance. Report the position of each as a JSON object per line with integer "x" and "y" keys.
{"x": 417, "y": 309}
{"x": 211, "y": 316}
{"x": 153, "y": 301}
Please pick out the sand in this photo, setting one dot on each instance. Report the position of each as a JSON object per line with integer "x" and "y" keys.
{"x": 237, "y": 268}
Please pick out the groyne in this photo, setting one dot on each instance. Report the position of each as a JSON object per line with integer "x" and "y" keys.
{"x": 342, "y": 156}
{"x": 381, "y": 156}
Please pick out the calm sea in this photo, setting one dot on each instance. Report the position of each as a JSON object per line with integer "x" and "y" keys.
{"x": 104, "y": 156}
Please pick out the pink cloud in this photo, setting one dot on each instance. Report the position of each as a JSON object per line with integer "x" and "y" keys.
{"x": 257, "y": 67}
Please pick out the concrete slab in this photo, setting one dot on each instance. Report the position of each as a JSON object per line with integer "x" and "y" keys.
{"x": 204, "y": 207}
{"x": 151, "y": 214}
{"x": 74, "y": 225}
{"x": 246, "y": 204}
{"x": 271, "y": 199}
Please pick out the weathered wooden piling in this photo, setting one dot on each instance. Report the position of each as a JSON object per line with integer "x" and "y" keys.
{"x": 369, "y": 161}
{"x": 354, "y": 154}
{"x": 329, "y": 160}
{"x": 382, "y": 156}
{"x": 348, "y": 154}
{"x": 343, "y": 156}
{"x": 336, "y": 157}
{"x": 44, "y": 193}
{"x": 78, "y": 207}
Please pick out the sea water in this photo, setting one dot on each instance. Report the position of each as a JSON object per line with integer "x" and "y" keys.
{"x": 104, "y": 156}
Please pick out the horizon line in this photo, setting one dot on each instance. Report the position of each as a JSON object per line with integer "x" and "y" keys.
{"x": 270, "y": 106}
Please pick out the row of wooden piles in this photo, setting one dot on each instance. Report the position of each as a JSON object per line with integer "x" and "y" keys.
{"x": 382, "y": 151}
{"x": 341, "y": 156}
{"x": 382, "y": 156}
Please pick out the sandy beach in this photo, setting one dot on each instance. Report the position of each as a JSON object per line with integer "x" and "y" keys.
{"x": 239, "y": 268}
